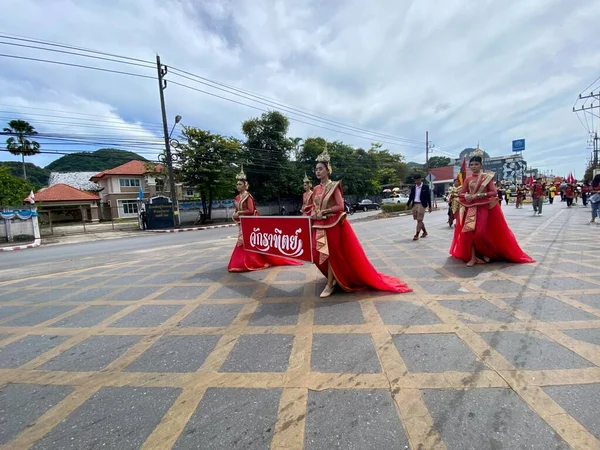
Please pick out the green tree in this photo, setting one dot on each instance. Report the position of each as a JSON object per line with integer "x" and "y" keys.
{"x": 391, "y": 167}
{"x": 18, "y": 142}
{"x": 438, "y": 161}
{"x": 267, "y": 150}
{"x": 13, "y": 190}
{"x": 209, "y": 162}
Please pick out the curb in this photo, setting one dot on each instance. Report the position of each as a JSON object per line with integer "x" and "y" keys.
{"x": 180, "y": 230}
{"x": 35, "y": 243}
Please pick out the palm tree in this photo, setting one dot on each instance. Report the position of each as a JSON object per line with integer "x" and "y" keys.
{"x": 297, "y": 146}
{"x": 18, "y": 144}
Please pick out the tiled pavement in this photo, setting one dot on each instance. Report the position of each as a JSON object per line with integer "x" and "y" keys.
{"x": 185, "y": 355}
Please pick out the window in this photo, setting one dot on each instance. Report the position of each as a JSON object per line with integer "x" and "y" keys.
{"x": 124, "y": 182}
{"x": 130, "y": 207}
{"x": 189, "y": 193}
{"x": 160, "y": 185}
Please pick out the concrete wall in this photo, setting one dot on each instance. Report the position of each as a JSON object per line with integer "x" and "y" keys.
{"x": 19, "y": 230}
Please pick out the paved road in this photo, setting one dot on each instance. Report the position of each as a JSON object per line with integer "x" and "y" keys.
{"x": 150, "y": 343}
{"x": 50, "y": 259}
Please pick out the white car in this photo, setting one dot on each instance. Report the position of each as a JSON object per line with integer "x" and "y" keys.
{"x": 399, "y": 198}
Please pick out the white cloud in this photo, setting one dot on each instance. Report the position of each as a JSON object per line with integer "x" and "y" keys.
{"x": 467, "y": 71}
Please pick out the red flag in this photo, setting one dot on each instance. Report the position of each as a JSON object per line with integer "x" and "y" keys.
{"x": 463, "y": 171}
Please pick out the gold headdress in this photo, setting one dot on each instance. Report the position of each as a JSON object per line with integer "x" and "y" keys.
{"x": 477, "y": 152}
{"x": 325, "y": 159}
{"x": 241, "y": 176}
{"x": 306, "y": 179}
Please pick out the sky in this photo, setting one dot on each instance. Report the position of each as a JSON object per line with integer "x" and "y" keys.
{"x": 487, "y": 71}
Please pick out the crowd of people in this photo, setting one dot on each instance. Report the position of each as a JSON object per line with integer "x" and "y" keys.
{"x": 540, "y": 191}
{"x": 337, "y": 252}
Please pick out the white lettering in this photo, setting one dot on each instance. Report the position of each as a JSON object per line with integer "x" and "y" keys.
{"x": 287, "y": 245}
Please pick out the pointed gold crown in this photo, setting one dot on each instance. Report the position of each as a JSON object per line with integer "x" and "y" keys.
{"x": 324, "y": 157}
{"x": 476, "y": 152}
{"x": 241, "y": 176}
{"x": 306, "y": 179}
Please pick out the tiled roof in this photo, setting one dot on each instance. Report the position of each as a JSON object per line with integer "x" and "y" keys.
{"x": 63, "y": 193}
{"x": 79, "y": 180}
{"x": 134, "y": 168}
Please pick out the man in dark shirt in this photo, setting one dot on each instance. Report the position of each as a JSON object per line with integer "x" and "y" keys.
{"x": 419, "y": 199}
{"x": 538, "y": 191}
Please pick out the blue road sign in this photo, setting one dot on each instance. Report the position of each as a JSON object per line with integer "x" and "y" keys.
{"x": 518, "y": 145}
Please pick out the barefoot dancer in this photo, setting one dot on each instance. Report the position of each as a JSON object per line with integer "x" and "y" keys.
{"x": 481, "y": 232}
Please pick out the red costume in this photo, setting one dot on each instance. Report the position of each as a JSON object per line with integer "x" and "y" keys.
{"x": 307, "y": 203}
{"x": 336, "y": 245}
{"x": 481, "y": 224}
{"x": 242, "y": 260}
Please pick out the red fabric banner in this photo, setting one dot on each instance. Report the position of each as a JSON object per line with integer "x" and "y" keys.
{"x": 287, "y": 237}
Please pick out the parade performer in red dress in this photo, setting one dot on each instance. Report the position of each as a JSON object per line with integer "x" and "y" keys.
{"x": 307, "y": 197}
{"x": 336, "y": 250}
{"x": 242, "y": 260}
{"x": 482, "y": 234}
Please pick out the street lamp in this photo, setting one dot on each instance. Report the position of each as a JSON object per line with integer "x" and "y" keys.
{"x": 177, "y": 120}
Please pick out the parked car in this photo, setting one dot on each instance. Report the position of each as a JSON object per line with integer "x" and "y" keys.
{"x": 365, "y": 205}
{"x": 399, "y": 198}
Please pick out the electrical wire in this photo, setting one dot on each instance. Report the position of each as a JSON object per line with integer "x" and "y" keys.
{"x": 188, "y": 75}
{"x": 64, "y": 52}
{"x": 62, "y": 63}
{"x": 296, "y": 120}
{"x": 290, "y": 109}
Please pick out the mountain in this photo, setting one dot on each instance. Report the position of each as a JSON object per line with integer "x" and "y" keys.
{"x": 414, "y": 165}
{"x": 37, "y": 176}
{"x": 102, "y": 159}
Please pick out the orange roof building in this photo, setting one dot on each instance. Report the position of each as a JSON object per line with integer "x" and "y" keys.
{"x": 60, "y": 201}
{"x": 132, "y": 168}
{"x": 64, "y": 193}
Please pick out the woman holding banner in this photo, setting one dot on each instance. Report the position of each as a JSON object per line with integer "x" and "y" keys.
{"x": 242, "y": 260}
{"x": 336, "y": 250}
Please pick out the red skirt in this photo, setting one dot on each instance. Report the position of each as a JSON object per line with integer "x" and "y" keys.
{"x": 492, "y": 238}
{"x": 243, "y": 261}
{"x": 351, "y": 267}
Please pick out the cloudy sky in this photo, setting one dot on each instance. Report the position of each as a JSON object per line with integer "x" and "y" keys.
{"x": 354, "y": 70}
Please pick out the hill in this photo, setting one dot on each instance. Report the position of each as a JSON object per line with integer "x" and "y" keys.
{"x": 37, "y": 176}
{"x": 102, "y": 159}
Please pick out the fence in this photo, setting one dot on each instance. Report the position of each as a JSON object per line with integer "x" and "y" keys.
{"x": 76, "y": 219}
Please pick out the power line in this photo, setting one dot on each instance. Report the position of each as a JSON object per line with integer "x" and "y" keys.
{"x": 71, "y": 47}
{"x": 148, "y": 64}
{"x": 373, "y": 135}
{"x": 101, "y": 119}
{"x": 290, "y": 109}
{"x": 64, "y": 52}
{"x": 62, "y": 63}
{"x": 297, "y": 120}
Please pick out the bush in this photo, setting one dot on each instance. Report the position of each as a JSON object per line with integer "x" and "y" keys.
{"x": 396, "y": 207}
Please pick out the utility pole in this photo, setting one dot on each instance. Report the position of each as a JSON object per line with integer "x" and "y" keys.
{"x": 596, "y": 149}
{"x": 427, "y": 149}
{"x": 162, "y": 85}
{"x": 595, "y": 138}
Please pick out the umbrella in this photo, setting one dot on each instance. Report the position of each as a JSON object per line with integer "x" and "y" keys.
{"x": 396, "y": 189}
{"x": 387, "y": 190}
